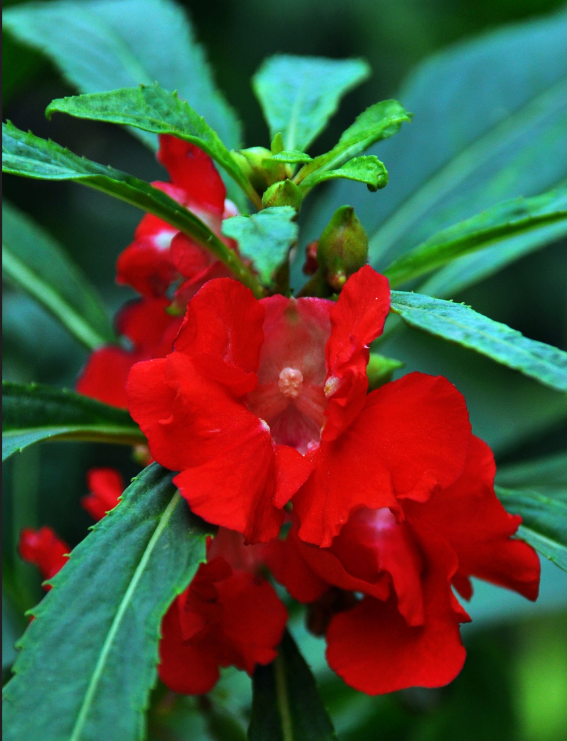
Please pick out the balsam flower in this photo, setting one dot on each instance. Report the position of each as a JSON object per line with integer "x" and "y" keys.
{"x": 45, "y": 549}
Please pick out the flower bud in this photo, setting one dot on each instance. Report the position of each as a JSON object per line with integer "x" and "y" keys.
{"x": 343, "y": 247}
{"x": 380, "y": 370}
{"x": 285, "y": 193}
{"x": 310, "y": 266}
{"x": 256, "y": 163}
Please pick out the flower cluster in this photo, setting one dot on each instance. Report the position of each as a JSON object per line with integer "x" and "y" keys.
{"x": 262, "y": 408}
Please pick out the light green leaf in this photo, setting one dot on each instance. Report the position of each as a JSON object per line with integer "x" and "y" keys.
{"x": 544, "y": 521}
{"x": 547, "y": 475}
{"x": 292, "y": 157}
{"x": 158, "y": 111}
{"x": 495, "y": 227}
{"x": 286, "y": 705}
{"x": 30, "y": 156}
{"x": 367, "y": 169}
{"x": 33, "y": 413}
{"x": 459, "y": 323}
{"x": 265, "y": 238}
{"x": 88, "y": 660}
{"x": 103, "y": 45}
{"x": 298, "y": 95}
{"x": 36, "y": 263}
{"x": 378, "y": 122}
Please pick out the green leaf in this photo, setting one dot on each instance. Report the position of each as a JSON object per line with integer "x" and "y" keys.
{"x": 33, "y": 413}
{"x": 494, "y": 228}
{"x": 265, "y": 238}
{"x": 378, "y": 122}
{"x": 158, "y": 111}
{"x": 88, "y": 660}
{"x": 459, "y": 323}
{"x": 286, "y": 705}
{"x": 547, "y": 475}
{"x": 292, "y": 157}
{"x": 30, "y": 156}
{"x": 36, "y": 263}
{"x": 103, "y": 45}
{"x": 366, "y": 169}
{"x": 298, "y": 95}
{"x": 544, "y": 521}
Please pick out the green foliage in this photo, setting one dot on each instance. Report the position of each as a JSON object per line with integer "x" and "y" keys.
{"x": 366, "y": 169}
{"x": 102, "y": 45}
{"x": 493, "y": 228}
{"x": 286, "y": 705}
{"x": 96, "y": 633}
{"x": 29, "y": 156}
{"x": 265, "y": 238}
{"x": 33, "y": 413}
{"x": 544, "y": 521}
{"x": 547, "y": 475}
{"x": 153, "y": 109}
{"x": 38, "y": 265}
{"x": 459, "y": 323}
{"x": 298, "y": 95}
{"x": 293, "y": 157}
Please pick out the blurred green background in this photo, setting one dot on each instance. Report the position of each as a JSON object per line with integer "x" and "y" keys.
{"x": 514, "y": 685}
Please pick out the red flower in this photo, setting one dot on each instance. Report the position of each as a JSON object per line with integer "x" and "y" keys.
{"x": 405, "y": 630}
{"x": 260, "y": 397}
{"x": 45, "y": 550}
{"x": 159, "y": 253}
{"x": 229, "y": 615}
{"x": 105, "y": 488}
{"x": 149, "y": 329}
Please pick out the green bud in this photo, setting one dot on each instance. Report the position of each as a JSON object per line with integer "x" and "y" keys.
{"x": 285, "y": 193}
{"x": 277, "y": 145}
{"x": 260, "y": 170}
{"x": 343, "y": 247}
{"x": 380, "y": 370}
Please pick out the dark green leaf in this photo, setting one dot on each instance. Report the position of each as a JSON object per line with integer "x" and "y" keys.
{"x": 30, "y": 156}
{"x": 286, "y": 705}
{"x": 103, "y": 45}
{"x": 88, "y": 660}
{"x": 458, "y": 323}
{"x": 265, "y": 238}
{"x": 367, "y": 169}
{"x": 520, "y": 217}
{"x": 38, "y": 265}
{"x": 544, "y": 521}
{"x": 298, "y": 95}
{"x": 158, "y": 111}
{"x": 546, "y": 475}
{"x": 32, "y": 413}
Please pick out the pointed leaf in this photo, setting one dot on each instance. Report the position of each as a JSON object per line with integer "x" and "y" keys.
{"x": 547, "y": 475}
{"x": 158, "y": 111}
{"x": 459, "y": 323}
{"x": 34, "y": 261}
{"x": 494, "y": 228}
{"x": 286, "y": 705}
{"x": 298, "y": 95}
{"x": 265, "y": 238}
{"x": 33, "y": 413}
{"x": 366, "y": 169}
{"x": 88, "y": 659}
{"x": 293, "y": 157}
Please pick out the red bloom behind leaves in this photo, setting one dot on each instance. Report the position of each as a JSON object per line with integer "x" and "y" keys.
{"x": 229, "y": 615}
{"x": 105, "y": 488}
{"x": 44, "y": 549}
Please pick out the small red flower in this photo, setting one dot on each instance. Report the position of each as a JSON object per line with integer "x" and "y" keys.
{"x": 404, "y": 630}
{"x": 44, "y": 549}
{"x": 229, "y": 615}
{"x": 105, "y": 488}
{"x": 159, "y": 253}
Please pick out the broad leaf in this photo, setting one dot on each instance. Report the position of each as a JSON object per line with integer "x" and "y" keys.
{"x": 265, "y": 238}
{"x": 102, "y": 45}
{"x": 33, "y": 413}
{"x": 298, "y": 95}
{"x": 158, "y": 111}
{"x": 36, "y": 263}
{"x": 546, "y": 475}
{"x": 88, "y": 659}
{"x": 286, "y": 705}
{"x": 520, "y": 217}
{"x": 458, "y": 323}
{"x": 366, "y": 169}
{"x": 544, "y": 521}
{"x": 30, "y": 156}
{"x": 378, "y": 122}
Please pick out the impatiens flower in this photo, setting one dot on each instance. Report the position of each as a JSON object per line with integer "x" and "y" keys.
{"x": 229, "y": 616}
{"x": 262, "y": 401}
{"x": 160, "y": 254}
{"x": 44, "y": 549}
{"x": 382, "y": 590}
{"x": 149, "y": 329}
{"x": 105, "y": 488}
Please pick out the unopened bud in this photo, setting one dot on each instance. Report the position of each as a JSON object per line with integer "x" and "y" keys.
{"x": 256, "y": 163}
{"x": 285, "y": 193}
{"x": 343, "y": 247}
{"x": 380, "y": 370}
{"x": 310, "y": 265}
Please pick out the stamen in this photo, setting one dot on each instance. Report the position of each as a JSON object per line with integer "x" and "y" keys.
{"x": 290, "y": 382}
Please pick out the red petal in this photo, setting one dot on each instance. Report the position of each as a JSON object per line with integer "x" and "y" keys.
{"x": 105, "y": 488}
{"x": 105, "y": 374}
{"x": 44, "y": 549}
{"x": 148, "y": 325}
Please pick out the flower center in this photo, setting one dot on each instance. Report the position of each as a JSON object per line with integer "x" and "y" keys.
{"x": 290, "y": 382}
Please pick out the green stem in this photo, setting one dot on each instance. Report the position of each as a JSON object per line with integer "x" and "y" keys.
{"x": 283, "y": 700}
